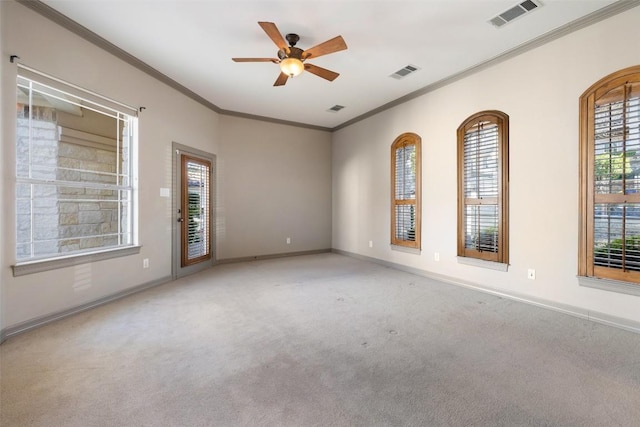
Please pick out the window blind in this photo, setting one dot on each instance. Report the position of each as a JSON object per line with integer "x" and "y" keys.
{"x": 616, "y": 184}
{"x": 198, "y": 209}
{"x": 481, "y": 187}
{"x": 405, "y": 191}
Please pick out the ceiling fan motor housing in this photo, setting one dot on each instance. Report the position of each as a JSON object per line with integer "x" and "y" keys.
{"x": 295, "y": 52}
{"x": 292, "y": 39}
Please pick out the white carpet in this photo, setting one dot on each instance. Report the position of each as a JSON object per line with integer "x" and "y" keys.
{"x": 319, "y": 340}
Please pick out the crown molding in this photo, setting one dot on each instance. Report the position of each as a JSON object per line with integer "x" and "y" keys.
{"x": 587, "y": 20}
{"x": 71, "y": 25}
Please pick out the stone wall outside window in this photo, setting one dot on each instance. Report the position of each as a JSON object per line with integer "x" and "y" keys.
{"x": 63, "y": 218}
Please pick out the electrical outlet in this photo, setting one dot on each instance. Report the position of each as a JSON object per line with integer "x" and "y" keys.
{"x": 436, "y": 256}
{"x": 531, "y": 274}
{"x": 145, "y": 263}
{"x": 288, "y": 240}
{"x": 370, "y": 243}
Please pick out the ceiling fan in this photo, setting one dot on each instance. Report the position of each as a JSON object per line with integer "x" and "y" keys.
{"x": 292, "y": 59}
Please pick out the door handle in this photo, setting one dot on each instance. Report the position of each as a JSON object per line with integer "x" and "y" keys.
{"x": 180, "y": 219}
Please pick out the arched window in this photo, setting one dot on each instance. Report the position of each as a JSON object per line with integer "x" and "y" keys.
{"x": 405, "y": 190}
{"x": 610, "y": 178}
{"x": 483, "y": 179}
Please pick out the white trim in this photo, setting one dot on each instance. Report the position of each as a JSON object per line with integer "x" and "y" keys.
{"x": 51, "y": 81}
{"x": 492, "y": 265}
{"x": 44, "y": 320}
{"x": 609, "y": 285}
{"x": 38, "y": 266}
{"x": 271, "y": 256}
{"x": 580, "y": 23}
{"x": 415, "y": 251}
{"x": 594, "y": 316}
{"x": 67, "y": 23}
{"x": 85, "y": 99}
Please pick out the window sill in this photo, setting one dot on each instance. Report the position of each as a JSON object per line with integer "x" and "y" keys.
{"x": 492, "y": 265}
{"x": 38, "y": 266}
{"x": 610, "y": 285}
{"x": 415, "y": 251}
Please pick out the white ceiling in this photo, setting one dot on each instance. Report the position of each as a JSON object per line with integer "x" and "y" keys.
{"x": 192, "y": 42}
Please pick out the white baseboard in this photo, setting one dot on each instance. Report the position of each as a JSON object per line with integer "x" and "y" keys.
{"x": 44, "y": 320}
{"x": 594, "y": 316}
{"x": 582, "y": 313}
{"x": 272, "y": 256}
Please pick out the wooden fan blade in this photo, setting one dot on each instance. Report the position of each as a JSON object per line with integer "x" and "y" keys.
{"x": 274, "y": 34}
{"x": 321, "y": 72}
{"x": 274, "y": 60}
{"x": 281, "y": 80}
{"x": 336, "y": 44}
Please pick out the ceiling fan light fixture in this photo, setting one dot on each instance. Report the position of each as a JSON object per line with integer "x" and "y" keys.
{"x": 291, "y": 66}
{"x": 292, "y": 59}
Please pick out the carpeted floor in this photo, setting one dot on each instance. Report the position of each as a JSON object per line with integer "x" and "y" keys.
{"x": 320, "y": 340}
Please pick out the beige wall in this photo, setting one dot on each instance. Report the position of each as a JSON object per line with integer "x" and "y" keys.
{"x": 259, "y": 205}
{"x": 274, "y": 183}
{"x": 4, "y": 179}
{"x": 539, "y": 90}
{"x": 53, "y": 50}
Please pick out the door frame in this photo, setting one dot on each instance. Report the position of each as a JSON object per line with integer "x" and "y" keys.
{"x": 177, "y": 270}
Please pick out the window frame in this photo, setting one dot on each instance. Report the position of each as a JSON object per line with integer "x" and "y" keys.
{"x": 602, "y": 89}
{"x": 502, "y": 121}
{"x": 405, "y": 139}
{"x": 73, "y": 94}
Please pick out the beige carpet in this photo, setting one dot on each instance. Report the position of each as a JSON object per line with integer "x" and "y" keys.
{"x": 320, "y": 340}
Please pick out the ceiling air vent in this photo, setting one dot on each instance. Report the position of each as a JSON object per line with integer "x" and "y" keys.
{"x": 336, "y": 108}
{"x": 403, "y": 72}
{"x": 515, "y": 12}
